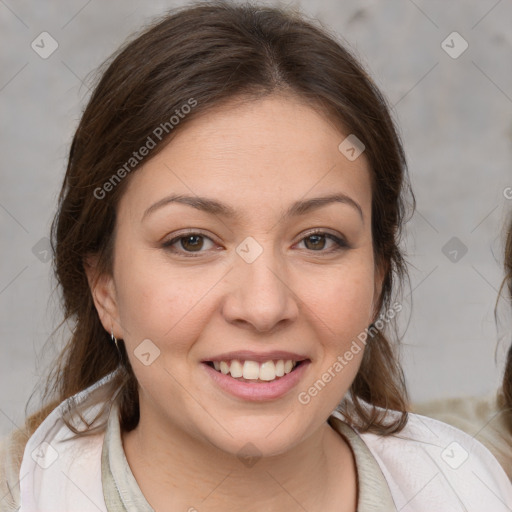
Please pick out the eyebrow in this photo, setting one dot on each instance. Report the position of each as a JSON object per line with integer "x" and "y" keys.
{"x": 214, "y": 207}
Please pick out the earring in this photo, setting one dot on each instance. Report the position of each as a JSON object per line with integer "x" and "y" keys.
{"x": 114, "y": 339}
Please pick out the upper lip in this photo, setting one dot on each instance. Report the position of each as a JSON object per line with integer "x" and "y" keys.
{"x": 259, "y": 357}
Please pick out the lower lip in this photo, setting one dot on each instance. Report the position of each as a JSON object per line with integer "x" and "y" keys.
{"x": 258, "y": 391}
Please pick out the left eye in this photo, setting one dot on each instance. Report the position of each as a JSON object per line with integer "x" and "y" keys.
{"x": 318, "y": 241}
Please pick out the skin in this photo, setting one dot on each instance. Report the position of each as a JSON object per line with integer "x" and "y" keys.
{"x": 300, "y": 295}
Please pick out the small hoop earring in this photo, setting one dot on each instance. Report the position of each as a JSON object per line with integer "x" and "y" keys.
{"x": 114, "y": 339}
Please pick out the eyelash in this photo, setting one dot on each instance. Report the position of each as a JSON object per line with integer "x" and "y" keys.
{"x": 341, "y": 243}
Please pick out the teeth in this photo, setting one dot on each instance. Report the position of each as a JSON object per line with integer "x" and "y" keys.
{"x": 252, "y": 370}
{"x": 236, "y": 369}
{"x": 267, "y": 371}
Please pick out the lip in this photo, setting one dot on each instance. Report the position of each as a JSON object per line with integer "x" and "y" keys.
{"x": 257, "y": 391}
{"x": 259, "y": 357}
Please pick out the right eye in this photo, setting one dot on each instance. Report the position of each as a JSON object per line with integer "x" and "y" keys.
{"x": 188, "y": 243}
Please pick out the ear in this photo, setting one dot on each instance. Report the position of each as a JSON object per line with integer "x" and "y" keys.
{"x": 103, "y": 292}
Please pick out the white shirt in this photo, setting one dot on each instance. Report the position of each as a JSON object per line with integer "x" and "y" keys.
{"x": 429, "y": 466}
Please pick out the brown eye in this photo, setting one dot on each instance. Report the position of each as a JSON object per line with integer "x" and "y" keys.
{"x": 315, "y": 242}
{"x": 188, "y": 244}
{"x": 192, "y": 242}
{"x": 324, "y": 242}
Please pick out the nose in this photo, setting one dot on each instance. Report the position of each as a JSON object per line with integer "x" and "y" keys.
{"x": 259, "y": 296}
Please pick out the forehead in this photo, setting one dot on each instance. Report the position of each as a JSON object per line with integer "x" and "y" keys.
{"x": 253, "y": 153}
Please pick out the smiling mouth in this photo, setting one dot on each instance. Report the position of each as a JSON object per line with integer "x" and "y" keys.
{"x": 252, "y": 371}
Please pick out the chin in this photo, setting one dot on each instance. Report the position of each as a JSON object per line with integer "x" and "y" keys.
{"x": 271, "y": 439}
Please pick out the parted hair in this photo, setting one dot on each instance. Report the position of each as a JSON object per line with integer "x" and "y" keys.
{"x": 213, "y": 52}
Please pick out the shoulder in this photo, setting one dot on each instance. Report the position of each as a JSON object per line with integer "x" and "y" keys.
{"x": 66, "y": 448}
{"x": 480, "y": 417}
{"x": 53, "y": 452}
{"x": 430, "y": 464}
{"x": 433, "y": 462}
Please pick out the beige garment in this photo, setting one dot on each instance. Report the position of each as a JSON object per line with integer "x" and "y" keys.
{"x": 481, "y": 418}
{"x": 11, "y": 454}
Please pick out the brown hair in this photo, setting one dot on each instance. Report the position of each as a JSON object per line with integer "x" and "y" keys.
{"x": 207, "y": 54}
{"x": 506, "y": 398}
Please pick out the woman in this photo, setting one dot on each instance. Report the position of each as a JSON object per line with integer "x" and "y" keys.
{"x": 488, "y": 419}
{"x": 227, "y": 245}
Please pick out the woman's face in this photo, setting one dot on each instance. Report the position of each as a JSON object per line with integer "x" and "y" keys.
{"x": 264, "y": 256}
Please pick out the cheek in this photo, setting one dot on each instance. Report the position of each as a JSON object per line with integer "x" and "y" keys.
{"x": 159, "y": 302}
{"x": 342, "y": 302}
{"x": 340, "y": 307}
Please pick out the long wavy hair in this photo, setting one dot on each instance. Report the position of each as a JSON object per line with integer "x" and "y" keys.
{"x": 212, "y": 52}
{"x": 506, "y": 388}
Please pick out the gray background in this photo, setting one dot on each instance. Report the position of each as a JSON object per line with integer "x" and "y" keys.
{"x": 455, "y": 119}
